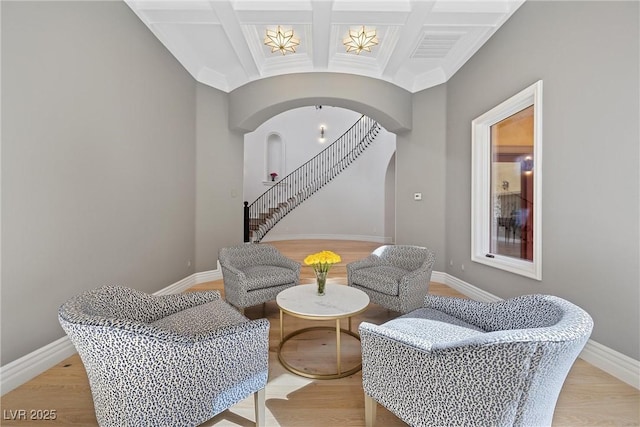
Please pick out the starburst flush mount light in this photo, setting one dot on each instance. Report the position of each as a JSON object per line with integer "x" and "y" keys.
{"x": 282, "y": 41}
{"x": 360, "y": 40}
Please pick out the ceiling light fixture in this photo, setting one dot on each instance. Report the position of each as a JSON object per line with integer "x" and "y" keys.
{"x": 284, "y": 41}
{"x": 360, "y": 40}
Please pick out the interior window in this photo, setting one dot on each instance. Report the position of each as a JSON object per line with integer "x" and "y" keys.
{"x": 506, "y": 185}
{"x": 512, "y": 186}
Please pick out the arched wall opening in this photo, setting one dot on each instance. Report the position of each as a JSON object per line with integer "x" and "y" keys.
{"x": 358, "y": 196}
{"x": 256, "y": 102}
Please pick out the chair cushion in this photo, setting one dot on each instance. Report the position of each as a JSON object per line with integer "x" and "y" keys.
{"x": 382, "y": 278}
{"x": 434, "y": 326}
{"x": 201, "y": 318}
{"x": 267, "y": 276}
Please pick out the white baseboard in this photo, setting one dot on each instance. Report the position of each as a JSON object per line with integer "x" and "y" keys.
{"x": 438, "y": 277}
{"x": 616, "y": 364}
{"x": 179, "y": 286}
{"x": 194, "y": 279}
{"x": 612, "y": 362}
{"x": 468, "y": 289}
{"x": 20, "y": 371}
{"x": 209, "y": 276}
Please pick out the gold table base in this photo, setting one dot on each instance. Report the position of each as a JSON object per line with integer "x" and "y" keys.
{"x": 339, "y": 372}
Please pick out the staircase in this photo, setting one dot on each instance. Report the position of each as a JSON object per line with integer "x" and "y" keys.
{"x": 288, "y": 193}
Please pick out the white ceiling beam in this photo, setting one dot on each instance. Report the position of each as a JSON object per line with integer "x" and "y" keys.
{"x": 360, "y": 6}
{"x": 356, "y": 19}
{"x": 321, "y": 33}
{"x": 272, "y": 5}
{"x": 231, "y": 27}
{"x": 409, "y": 33}
{"x": 270, "y": 17}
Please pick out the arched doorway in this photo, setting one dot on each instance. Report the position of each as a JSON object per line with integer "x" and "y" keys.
{"x": 358, "y": 196}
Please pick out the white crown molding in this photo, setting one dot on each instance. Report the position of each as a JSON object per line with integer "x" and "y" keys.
{"x": 18, "y": 372}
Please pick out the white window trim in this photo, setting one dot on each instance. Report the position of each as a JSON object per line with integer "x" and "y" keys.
{"x": 481, "y": 184}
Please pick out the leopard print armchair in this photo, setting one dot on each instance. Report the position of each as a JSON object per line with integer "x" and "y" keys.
{"x": 394, "y": 276}
{"x": 171, "y": 360}
{"x": 255, "y": 273}
{"x": 461, "y": 362}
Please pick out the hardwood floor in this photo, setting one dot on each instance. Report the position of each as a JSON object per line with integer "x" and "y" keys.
{"x": 590, "y": 397}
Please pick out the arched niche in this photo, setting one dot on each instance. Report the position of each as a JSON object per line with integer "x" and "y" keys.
{"x": 274, "y": 156}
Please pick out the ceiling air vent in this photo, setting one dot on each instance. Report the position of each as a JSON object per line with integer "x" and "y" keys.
{"x": 435, "y": 45}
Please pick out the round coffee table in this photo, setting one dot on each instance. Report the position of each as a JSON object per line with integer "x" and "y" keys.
{"x": 338, "y": 302}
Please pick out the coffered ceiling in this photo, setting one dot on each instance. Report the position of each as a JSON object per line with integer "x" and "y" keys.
{"x": 421, "y": 43}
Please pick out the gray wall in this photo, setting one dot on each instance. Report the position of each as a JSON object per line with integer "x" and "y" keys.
{"x": 587, "y": 55}
{"x": 220, "y": 162}
{"x": 98, "y": 160}
{"x": 420, "y": 168}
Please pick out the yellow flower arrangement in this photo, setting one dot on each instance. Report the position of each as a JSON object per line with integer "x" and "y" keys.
{"x": 321, "y": 263}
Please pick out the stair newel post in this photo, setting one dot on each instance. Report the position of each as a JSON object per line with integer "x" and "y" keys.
{"x": 246, "y": 222}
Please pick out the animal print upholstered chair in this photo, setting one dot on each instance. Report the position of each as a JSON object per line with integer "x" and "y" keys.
{"x": 394, "y": 276}
{"x": 463, "y": 362}
{"x": 171, "y": 360}
{"x": 255, "y": 273}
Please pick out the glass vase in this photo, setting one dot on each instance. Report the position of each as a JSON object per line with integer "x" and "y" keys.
{"x": 321, "y": 279}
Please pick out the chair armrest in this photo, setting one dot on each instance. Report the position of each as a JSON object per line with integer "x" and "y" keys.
{"x": 252, "y": 326}
{"x": 370, "y": 333}
{"x": 286, "y": 263}
{"x": 178, "y": 302}
{"x": 462, "y": 308}
{"x": 370, "y": 261}
{"x": 233, "y": 270}
{"x": 173, "y": 303}
{"x": 127, "y": 331}
{"x": 420, "y": 276}
{"x": 575, "y": 324}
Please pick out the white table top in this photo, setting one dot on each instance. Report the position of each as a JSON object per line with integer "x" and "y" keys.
{"x": 338, "y": 301}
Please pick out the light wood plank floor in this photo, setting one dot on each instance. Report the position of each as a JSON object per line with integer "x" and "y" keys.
{"x": 590, "y": 397}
